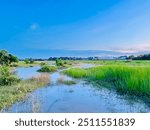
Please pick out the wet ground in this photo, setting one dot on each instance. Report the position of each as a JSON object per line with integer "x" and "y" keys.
{"x": 79, "y": 97}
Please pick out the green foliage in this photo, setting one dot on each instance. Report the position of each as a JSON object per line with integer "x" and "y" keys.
{"x": 119, "y": 62}
{"x": 59, "y": 62}
{"x": 127, "y": 79}
{"x": 6, "y": 58}
{"x": 29, "y": 61}
{"x": 63, "y": 64}
{"x": 13, "y": 59}
{"x": 76, "y": 72}
{"x": 43, "y": 64}
{"x": 141, "y": 57}
{"x": 16, "y": 92}
{"x": 7, "y": 77}
{"x": 47, "y": 68}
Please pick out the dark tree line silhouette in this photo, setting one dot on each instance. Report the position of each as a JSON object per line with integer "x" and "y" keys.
{"x": 140, "y": 57}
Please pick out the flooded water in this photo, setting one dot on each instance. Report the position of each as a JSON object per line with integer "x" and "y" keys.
{"x": 27, "y": 72}
{"x": 80, "y": 97}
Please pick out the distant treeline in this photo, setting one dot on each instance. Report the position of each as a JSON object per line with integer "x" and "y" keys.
{"x": 132, "y": 57}
{"x": 63, "y": 58}
{"x": 140, "y": 57}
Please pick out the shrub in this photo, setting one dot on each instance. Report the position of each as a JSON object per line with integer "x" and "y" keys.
{"x": 43, "y": 64}
{"x": 13, "y": 93}
{"x": 7, "y": 77}
{"x": 59, "y": 62}
{"x": 29, "y": 61}
{"x": 47, "y": 68}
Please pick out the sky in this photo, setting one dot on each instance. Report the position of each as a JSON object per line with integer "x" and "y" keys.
{"x": 44, "y": 28}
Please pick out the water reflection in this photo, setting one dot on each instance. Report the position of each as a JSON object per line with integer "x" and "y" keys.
{"x": 79, "y": 97}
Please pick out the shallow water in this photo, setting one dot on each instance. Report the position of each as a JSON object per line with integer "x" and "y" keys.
{"x": 27, "y": 72}
{"x": 81, "y": 97}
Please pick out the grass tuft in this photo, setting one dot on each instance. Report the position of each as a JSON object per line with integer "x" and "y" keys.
{"x": 13, "y": 93}
{"x": 62, "y": 80}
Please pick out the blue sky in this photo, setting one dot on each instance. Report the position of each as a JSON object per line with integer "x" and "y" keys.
{"x": 31, "y": 27}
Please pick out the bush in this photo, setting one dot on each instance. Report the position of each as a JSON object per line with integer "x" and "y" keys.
{"x": 43, "y": 64}
{"x": 47, "y": 68}
{"x": 59, "y": 62}
{"x": 7, "y": 77}
{"x": 29, "y": 61}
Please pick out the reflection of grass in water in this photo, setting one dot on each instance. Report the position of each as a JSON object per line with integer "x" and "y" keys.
{"x": 35, "y": 105}
{"x": 62, "y": 80}
{"x": 13, "y": 93}
{"x": 71, "y": 91}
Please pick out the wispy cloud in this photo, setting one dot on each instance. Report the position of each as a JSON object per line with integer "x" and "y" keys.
{"x": 34, "y": 26}
{"x": 134, "y": 50}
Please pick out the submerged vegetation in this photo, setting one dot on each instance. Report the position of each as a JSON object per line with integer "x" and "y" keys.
{"x": 126, "y": 79}
{"x": 62, "y": 80}
{"x": 47, "y": 68}
{"x": 12, "y": 93}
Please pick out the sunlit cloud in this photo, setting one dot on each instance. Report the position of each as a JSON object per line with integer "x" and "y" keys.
{"x": 135, "y": 49}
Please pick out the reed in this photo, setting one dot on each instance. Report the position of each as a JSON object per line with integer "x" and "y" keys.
{"x": 127, "y": 79}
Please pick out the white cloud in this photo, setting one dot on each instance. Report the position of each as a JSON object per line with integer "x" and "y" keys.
{"x": 34, "y": 26}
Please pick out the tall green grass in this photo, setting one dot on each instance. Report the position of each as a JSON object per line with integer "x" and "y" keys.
{"x": 127, "y": 79}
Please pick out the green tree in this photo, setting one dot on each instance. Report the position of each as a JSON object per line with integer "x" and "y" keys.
{"x": 6, "y": 58}
{"x": 31, "y": 61}
{"x": 27, "y": 61}
{"x": 13, "y": 59}
{"x": 131, "y": 57}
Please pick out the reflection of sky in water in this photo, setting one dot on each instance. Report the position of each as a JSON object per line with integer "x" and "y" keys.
{"x": 26, "y": 73}
{"x": 80, "y": 97}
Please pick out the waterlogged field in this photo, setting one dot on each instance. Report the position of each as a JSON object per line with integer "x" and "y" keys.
{"x": 126, "y": 77}
{"x": 72, "y": 86}
{"x": 120, "y": 62}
